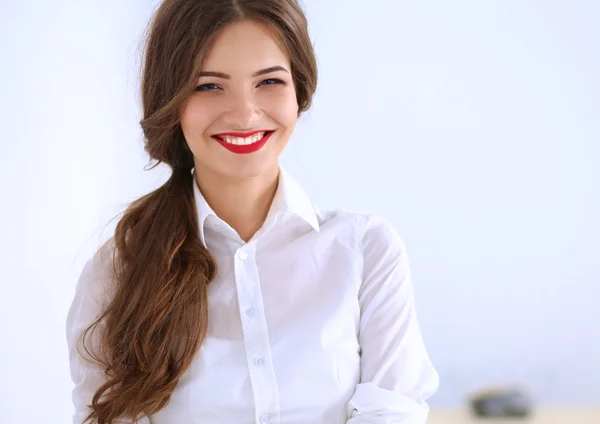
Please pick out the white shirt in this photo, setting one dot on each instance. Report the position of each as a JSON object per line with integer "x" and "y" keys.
{"x": 311, "y": 321}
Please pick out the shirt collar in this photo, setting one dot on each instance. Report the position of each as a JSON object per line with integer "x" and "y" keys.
{"x": 289, "y": 198}
{"x": 203, "y": 209}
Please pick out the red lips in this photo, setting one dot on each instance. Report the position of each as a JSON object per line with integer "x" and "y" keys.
{"x": 247, "y": 148}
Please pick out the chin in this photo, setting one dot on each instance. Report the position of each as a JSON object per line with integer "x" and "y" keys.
{"x": 250, "y": 170}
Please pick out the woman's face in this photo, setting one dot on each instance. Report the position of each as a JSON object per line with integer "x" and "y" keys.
{"x": 245, "y": 88}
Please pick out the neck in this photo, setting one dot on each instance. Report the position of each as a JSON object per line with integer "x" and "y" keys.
{"x": 241, "y": 203}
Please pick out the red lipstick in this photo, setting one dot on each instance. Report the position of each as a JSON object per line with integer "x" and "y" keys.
{"x": 246, "y": 148}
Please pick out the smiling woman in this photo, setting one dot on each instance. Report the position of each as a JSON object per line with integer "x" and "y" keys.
{"x": 226, "y": 296}
{"x": 245, "y": 86}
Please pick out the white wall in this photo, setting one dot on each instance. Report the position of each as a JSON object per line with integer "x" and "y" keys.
{"x": 472, "y": 125}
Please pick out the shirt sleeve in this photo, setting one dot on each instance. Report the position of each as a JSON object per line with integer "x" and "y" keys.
{"x": 397, "y": 376}
{"x": 91, "y": 299}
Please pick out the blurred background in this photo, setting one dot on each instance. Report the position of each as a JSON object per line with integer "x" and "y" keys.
{"x": 473, "y": 126}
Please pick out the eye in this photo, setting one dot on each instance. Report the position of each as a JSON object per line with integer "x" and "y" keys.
{"x": 271, "y": 81}
{"x": 207, "y": 87}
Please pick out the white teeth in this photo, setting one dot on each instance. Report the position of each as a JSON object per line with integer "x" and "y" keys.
{"x": 243, "y": 141}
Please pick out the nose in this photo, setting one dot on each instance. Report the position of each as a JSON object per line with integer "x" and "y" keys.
{"x": 242, "y": 111}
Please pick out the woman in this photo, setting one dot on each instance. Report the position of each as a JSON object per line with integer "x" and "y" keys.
{"x": 225, "y": 296}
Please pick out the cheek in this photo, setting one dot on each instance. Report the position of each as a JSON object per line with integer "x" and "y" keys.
{"x": 283, "y": 107}
{"x": 195, "y": 117}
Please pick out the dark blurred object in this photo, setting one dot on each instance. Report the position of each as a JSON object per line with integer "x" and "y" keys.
{"x": 502, "y": 403}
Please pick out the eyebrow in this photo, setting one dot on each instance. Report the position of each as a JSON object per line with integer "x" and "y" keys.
{"x": 256, "y": 74}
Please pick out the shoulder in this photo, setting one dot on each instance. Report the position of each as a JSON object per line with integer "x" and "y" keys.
{"x": 374, "y": 233}
{"x": 93, "y": 293}
{"x": 97, "y": 279}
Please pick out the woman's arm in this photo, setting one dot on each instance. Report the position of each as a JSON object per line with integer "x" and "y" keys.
{"x": 397, "y": 376}
{"x": 91, "y": 299}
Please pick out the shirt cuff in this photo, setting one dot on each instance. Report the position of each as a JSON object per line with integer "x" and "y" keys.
{"x": 373, "y": 405}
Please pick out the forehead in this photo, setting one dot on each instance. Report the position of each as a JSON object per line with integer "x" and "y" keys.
{"x": 245, "y": 46}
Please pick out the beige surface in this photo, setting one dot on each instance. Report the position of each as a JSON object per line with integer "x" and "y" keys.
{"x": 548, "y": 416}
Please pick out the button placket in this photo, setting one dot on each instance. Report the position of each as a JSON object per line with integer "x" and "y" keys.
{"x": 243, "y": 255}
{"x": 256, "y": 340}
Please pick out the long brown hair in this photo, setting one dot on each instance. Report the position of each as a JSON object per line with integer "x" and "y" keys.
{"x": 157, "y": 319}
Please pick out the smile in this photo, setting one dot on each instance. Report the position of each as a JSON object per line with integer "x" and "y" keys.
{"x": 243, "y": 143}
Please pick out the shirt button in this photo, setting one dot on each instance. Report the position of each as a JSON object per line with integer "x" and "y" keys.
{"x": 251, "y": 312}
{"x": 259, "y": 362}
{"x": 264, "y": 419}
{"x": 242, "y": 255}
